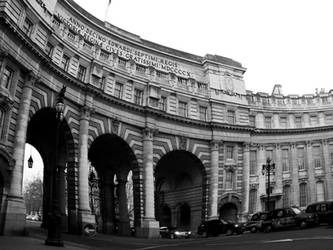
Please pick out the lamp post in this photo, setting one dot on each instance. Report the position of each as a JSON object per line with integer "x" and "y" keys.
{"x": 266, "y": 169}
{"x": 54, "y": 213}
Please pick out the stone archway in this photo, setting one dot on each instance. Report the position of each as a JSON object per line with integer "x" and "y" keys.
{"x": 55, "y": 144}
{"x": 230, "y": 207}
{"x": 179, "y": 180}
{"x": 113, "y": 160}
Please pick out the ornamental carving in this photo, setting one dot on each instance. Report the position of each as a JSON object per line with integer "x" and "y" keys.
{"x": 182, "y": 142}
{"x": 115, "y": 123}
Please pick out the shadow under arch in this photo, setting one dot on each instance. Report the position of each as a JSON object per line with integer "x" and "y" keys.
{"x": 180, "y": 181}
{"x": 41, "y": 134}
{"x": 113, "y": 159}
{"x": 5, "y": 168}
{"x": 229, "y": 207}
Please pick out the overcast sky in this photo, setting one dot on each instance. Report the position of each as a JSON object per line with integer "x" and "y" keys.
{"x": 287, "y": 42}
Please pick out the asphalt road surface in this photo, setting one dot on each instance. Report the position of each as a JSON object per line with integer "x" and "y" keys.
{"x": 319, "y": 238}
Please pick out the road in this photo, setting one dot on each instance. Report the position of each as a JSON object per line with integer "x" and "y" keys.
{"x": 320, "y": 238}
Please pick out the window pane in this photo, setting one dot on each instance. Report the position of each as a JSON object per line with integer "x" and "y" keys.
{"x": 253, "y": 162}
{"x": 320, "y": 191}
{"x": 182, "y": 109}
{"x": 252, "y": 201}
{"x": 302, "y": 195}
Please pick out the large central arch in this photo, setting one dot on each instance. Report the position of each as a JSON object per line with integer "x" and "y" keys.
{"x": 113, "y": 159}
{"x": 50, "y": 139}
{"x": 179, "y": 179}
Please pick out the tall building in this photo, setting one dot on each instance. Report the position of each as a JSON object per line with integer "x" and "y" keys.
{"x": 185, "y": 128}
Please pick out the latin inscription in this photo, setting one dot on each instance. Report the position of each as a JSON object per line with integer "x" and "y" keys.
{"x": 122, "y": 50}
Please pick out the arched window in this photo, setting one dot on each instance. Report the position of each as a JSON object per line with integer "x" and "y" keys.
{"x": 302, "y": 195}
{"x": 286, "y": 196}
{"x": 320, "y": 191}
{"x": 252, "y": 200}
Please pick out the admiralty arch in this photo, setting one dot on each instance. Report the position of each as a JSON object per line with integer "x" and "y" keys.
{"x": 183, "y": 127}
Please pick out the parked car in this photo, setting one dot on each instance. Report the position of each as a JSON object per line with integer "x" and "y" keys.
{"x": 282, "y": 218}
{"x": 174, "y": 233}
{"x": 220, "y": 226}
{"x": 256, "y": 222}
{"x": 323, "y": 209}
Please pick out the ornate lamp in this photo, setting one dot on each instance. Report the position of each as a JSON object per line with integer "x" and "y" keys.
{"x": 30, "y": 162}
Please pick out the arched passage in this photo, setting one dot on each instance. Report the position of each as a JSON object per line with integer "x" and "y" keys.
{"x": 56, "y": 146}
{"x": 179, "y": 179}
{"x": 230, "y": 206}
{"x": 113, "y": 160}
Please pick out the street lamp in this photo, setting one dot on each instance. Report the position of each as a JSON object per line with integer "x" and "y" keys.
{"x": 54, "y": 213}
{"x": 30, "y": 162}
{"x": 266, "y": 169}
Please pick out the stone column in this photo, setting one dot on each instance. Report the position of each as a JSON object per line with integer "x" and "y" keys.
{"x": 213, "y": 180}
{"x": 261, "y": 177}
{"x": 149, "y": 227}
{"x": 246, "y": 180}
{"x": 124, "y": 223}
{"x": 15, "y": 210}
{"x": 311, "y": 186}
{"x": 328, "y": 171}
{"x": 85, "y": 216}
{"x": 294, "y": 171}
{"x": 108, "y": 213}
{"x": 278, "y": 173}
{"x": 276, "y": 121}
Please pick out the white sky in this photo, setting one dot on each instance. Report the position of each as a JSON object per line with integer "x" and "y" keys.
{"x": 30, "y": 174}
{"x": 289, "y": 42}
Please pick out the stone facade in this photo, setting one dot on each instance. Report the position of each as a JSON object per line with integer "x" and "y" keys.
{"x": 194, "y": 138}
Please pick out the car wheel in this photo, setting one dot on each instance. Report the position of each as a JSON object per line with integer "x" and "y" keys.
{"x": 303, "y": 224}
{"x": 229, "y": 232}
{"x": 268, "y": 229}
{"x": 253, "y": 229}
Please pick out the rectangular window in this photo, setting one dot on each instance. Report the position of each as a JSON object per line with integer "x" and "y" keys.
{"x": 153, "y": 102}
{"x": 163, "y": 103}
{"x": 228, "y": 180}
{"x": 203, "y": 113}
{"x": 64, "y": 62}
{"x": 300, "y": 158}
{"x": 27, "y": 27}
{"x": 182, "y": 109}
{"x": 231, "y": 117}
{"x": 324, "y": 100}
{"x": 283, "y": 122}
{"x": 269, "y": 154}
{"x": 71, "y": 35}
{"x": 316, "y": 154}
{"x": 138, "y": 96}
{"x": 140, "y": 69}
{"x": 252, "y": 120}
{"x": 229, "y": 152}
{"x": 118, "y": 90}
{"x": 253, "y": 162}
{"x": 7, "y": 77}
{"x": 87, "y": 45}
{"x": 182, "y": 81}
{"x": 302, "y": 195}
{"x": 104, "y": 55}
{"x": 162, "y": 74}
{"x": 81, "y": 73}
{"x": 268, "y": 122}
{"x": 56, "y": 22}
{"x": 329, "y": 118}
{"x": 313, "y": 120}
{"x": 121, "y": 62}
{"x": 298, "y": 121}
{"x": 252, "y": 201}
{"x": 49, "y": 49}
{"x": 285, "y": 160}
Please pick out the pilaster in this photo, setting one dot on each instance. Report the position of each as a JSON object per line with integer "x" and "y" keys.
{"x": 15, "y": 210}
{"x": 310, "y": 167}
{"x": 213, "y": 180}
{"x": 149, "y": 226}
{"x": 85, "y": 216}
{"x": 246, "y": 180}
{"x": 295, "y": 183}
{"x": 328, "y": 171}
{"x": 262, "y": 179}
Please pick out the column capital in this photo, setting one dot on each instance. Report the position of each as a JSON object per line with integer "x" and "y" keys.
{"x": 214, "y": 145}
{"x": 149, "y": 133}
{"x": 86, "y": 112}
{"x": 30, "y": 78}
{"x": 246, "y": 146}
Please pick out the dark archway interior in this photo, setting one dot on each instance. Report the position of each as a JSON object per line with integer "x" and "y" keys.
{"x": 112, "y": 158}
{"x": 52, "y": 142}
{"x": 179, "y": 179}
{"x": 229, "y": 212}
